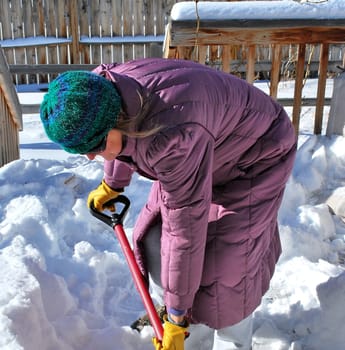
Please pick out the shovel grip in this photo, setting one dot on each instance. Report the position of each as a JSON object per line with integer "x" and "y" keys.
{"x": 115, "y": 218}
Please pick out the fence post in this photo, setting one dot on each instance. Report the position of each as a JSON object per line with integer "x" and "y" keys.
{"x": 251, "y": 64}
{"x": 275, "y": 71}
{"x": 336, "y": 120}
{"x": 320, "y": 101}
{"x": 298, "y": 87}
{"x": 74, "y": 31}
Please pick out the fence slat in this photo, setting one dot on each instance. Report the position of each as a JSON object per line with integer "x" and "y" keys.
{"x": 5, "y": 19}
{"x": 74, "y": 31}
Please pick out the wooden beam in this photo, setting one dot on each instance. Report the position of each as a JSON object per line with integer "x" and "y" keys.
{"x": 251, "y": 64}
{"x": 298, "y": 87}
{"x": 9, "y": 92}
{"x": 321, "y": 88}
{"x": 48, "y": 68}
{"x": 256, "y": 36}
{"x": 213, "y": 52}
{"x": 305, "y": 102}
{"x": 234, "y": 65}
{"x": 275, "y": 71}
{"x": 226, "y": 58}
{"x": 272, "y": 23}
{"x": 200, "y": 53}
{"x": 184, "y": 53}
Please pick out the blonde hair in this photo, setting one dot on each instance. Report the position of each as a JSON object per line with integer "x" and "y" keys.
{"x": 131, "y": 126}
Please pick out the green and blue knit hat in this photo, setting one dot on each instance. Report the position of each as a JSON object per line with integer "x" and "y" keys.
{"x": 79, "y": 110}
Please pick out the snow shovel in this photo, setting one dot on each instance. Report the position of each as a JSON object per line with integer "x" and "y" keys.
{"x": 115, "y": 220}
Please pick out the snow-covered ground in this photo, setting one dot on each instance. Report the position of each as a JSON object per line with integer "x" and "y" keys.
{"x": 65, "y": 285}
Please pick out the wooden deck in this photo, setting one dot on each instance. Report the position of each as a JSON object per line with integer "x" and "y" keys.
{"x": 221, "y": 40}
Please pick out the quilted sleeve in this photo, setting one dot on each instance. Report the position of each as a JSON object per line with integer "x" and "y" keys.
{"x": 182, "y": 158}
{"x": 117, "y": 174}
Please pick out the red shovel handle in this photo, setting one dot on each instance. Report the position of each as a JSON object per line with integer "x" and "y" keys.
{"x": 139, "y": 281}
{"x": 115, "y": 220}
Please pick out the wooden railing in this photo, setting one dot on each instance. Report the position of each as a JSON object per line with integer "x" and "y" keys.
{"x": 220, "y": 41}
{"x": 10, "y": 115}
{"x": 30, "y": 108}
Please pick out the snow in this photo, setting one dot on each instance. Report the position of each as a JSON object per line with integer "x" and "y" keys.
{"x": 34, "y": 41}
{"x": 286, "y": 9}
{"x": 132, "y": 39}
{"x": 65, "y": 284}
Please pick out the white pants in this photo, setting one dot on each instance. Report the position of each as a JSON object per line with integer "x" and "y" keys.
{"x": 238, "y": 336}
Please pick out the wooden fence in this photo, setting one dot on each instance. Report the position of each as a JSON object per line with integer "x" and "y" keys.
{"x": 37, "y": 33}
{"x": 225, "y": 42}
{"x": 80, "y": 32}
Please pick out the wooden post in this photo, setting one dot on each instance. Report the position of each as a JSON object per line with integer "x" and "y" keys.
{"x": 9, "y": 91}
{"x": 201, "y": 52}
{"x": 184, "y": 52}
{"x": 321, "y": 86}
{"x": 213, "y": 54}
{"x": 275, "y": 70}
{"x": 226, "y": 58}
{"x": 10, "y": 115}
{"x": 298, "y": 87}
{"x": 74, "y": 31}
{"x": 251, "y": 64}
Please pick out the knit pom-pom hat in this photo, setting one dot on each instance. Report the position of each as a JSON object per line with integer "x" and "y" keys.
{"x": 79, "y": 110}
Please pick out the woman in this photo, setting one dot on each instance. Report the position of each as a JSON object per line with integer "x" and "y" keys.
{"x": 219, "y": 152}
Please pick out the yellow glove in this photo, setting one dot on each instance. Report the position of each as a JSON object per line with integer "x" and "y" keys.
{"x": 173, "y": 337}
{"x": 101, "y": 195}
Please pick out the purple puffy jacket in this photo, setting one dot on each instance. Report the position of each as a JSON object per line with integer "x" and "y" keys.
{"x": 220, "y": 165}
